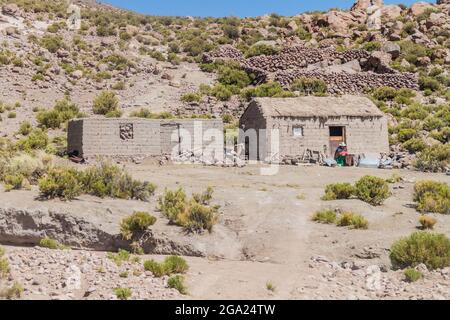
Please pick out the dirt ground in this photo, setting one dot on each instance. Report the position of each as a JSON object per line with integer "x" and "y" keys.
{"x": 275, "y": 244}
{"x": 271, "y": 218}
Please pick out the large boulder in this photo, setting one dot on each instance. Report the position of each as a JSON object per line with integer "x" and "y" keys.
{"x": 366, "y": 4}
{"x": 11, "y": 9}
{"x": 420, "y": 7}
{"x": 392, "y": 48}
{"x": 338, "y": 21}
{"x": 391, "y": 12}
{"x": 374, "y": 20}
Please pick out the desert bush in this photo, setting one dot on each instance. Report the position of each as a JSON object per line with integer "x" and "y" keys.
{"x": 338, "y": 191}
{"x": 177, "y": 282}
{"x": 221, "y": 92}
{"x": 191, "y": 97}
{"x": 120, "y": 257}
{"x": 233, "y": 76}
{"x": 431, "y": 249}
{"x": 427, "y": 222}
{"x": 433, "y": 159}
{"x": 372, "y": 190}
{"x": 51, "y": 244}
{"x": 309, "y": 86}
{"x": 428, "y": 83}
{"x": 350, "y": 219}
{"x": 412, "y": 275}
{"x": 414, "y": 145}
{"x": 170, "y": 265}
{"x": 52, "y": 43}
{"x": 194, "y": 215}
{"x": 111, "y": 181}
{"x": 261, "y": 49}
{"x": 63, "y": 183}
{"x": 136, "y": 223}
{"x": 372, "y": 46}
{"x": 432, "y": 196}
{"x": 106, "y": 102}
{"x": 406, "y": 134}
{"x": 4, "y": 264}
{"x": 14, "y": 292}
{"x": 327, "y": 216}
{"x": 270, "y": 89}
{"x": 25, "y": 128}
{"x": 172, "y": 204}
{"x": 37, "y": 139}
{"x": 63, "y": 111}
{"x": 13, "y": 181}
{"x": 175, "y": 264}
{"x": 123, "y": 293}
{"x": 198, "y": 217}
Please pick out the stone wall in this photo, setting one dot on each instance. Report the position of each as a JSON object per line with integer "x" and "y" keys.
{"x": 351, "y": 83}
{"x": 292, "y": 62}
{"x": 144, "y": 137}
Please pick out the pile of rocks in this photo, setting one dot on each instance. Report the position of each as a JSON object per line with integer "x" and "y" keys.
{"x": 70, "y": 274}
{"x": 348, "y": 83}
{"x": 223, "y": 52}
{"x": 294, "y": 62}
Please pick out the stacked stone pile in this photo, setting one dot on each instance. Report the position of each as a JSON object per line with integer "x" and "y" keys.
{"x": 344, "y": 82}
{"x": 223, "y": 52}
{"x": 291, "y": 63}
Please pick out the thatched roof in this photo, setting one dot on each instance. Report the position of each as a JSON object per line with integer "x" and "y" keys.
{"x": 321, "y": 107}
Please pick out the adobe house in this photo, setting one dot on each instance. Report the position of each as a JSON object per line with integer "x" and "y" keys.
{"x": 122, "y": 137}
{"x": 319, "y": 124}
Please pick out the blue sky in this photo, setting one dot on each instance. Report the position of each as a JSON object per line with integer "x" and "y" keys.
{"x": 242, "y": 8}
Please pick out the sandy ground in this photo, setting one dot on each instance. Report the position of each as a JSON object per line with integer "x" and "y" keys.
{"x": 270, "y": 218}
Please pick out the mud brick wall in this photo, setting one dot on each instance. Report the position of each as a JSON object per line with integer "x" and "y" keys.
{"x": 140, "y": 137}
{"x": 363, "y": 135}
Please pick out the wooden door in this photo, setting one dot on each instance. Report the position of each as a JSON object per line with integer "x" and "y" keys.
{"x": 337, "y": 136}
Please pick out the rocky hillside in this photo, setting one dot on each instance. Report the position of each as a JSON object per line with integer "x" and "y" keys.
{"x": 159, "y": 66}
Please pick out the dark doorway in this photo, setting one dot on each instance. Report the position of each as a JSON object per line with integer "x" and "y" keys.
{"x": 337, "y": 136}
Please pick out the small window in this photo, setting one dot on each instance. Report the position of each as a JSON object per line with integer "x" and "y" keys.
{"x": 297, "y": 131}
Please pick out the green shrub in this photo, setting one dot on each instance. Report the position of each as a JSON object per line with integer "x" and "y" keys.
{"x": 406, "y": 134}
{"x": 414, "y": 145}
{"x": 205, "y": 197}
{"x": 428, "y": 83}
{"x": 37, "y": 139}
{"x": 231, "y": 76}
{"x": 25, "y": 128}
{"x": 372, "y": 46}
{"x": 138, "y": 222}
{"x": 4, "y": 265}
{"x": 111, "y": 181}
{"x": 309, "y": 86}
{"x": 12, "y": 115}
{"x": 350, "y": 219}
{"x": 433, "y": 159}
{"x": 61, "y": 183}
{"x": 221, "y": 92}
{"x": 14, "y": 292}
{"x": 338, "y": 191}
{"x": 158, "y": 269}
{"x": 172, "y": 204}
{"x": 325, "y": 216}
{"x": 120, "y": 257}
{"x": 63, "y": 111}
{"x": 372, "y": 190}
{"x": 431, "y": 249}
{"x": 105, "y": 103}
{"x": 51, "y": 244}
{"x": 198, "y": 217}
{"x": 177, "y": 282}
{"x": 412, "y": 275}
{"x": 13, "y": 181}
{"x": 170, "y": 265}
{"x": 270, "y": 89}
{"x": 261, "y": 49}
{"x": 52, "y": 43}
{"x": 384, "y": 93}
{"x": 123, "y": 293}
{"x": 427, "y": 222}
{"x": 191, "y": 97}
{"x": 175, "y": 264}
{"x": 432, "y": 196}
